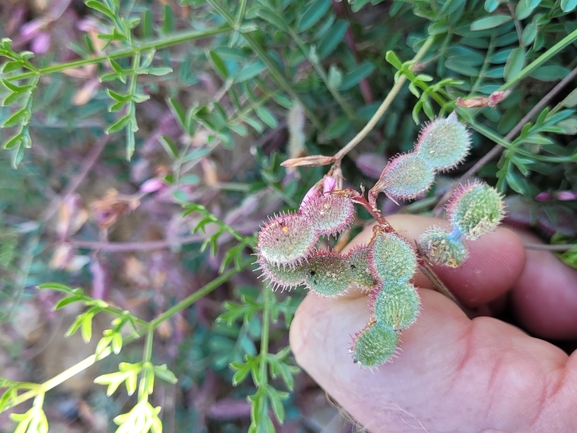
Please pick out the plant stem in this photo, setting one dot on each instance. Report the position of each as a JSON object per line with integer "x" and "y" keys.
{"x": 145, "y": 46}
{"x": 186, "y": 302}
{"x": 92, "y": 359}
{"x": 385, "y": 104}
{"x": 262, "y": 367}
{"x": 493, "y": 153}
{"x": 567, "y": 40}
{"x": 58, "y": 379}
{"x": 548, "y": 247}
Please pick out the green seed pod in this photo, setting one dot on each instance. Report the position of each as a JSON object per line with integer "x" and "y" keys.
{"x": 444, "y": 143}
{"x": 442, "y": 248}
{"x": 406, "y": 176}
{"x": 329, "y": 214}
{"x": 328, "y": 274}
{"x": 475, "y": 210}
{"x": 286, "y": 240}
{"x": 395, "y": 306}
{"x": 283, "y": 276}
{"x": 394, "y": 260}
{"x": 374, "y": 345}
{"x": 359, "y": 261}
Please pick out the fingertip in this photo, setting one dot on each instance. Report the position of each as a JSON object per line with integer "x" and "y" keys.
{"x": 545, "y": 296}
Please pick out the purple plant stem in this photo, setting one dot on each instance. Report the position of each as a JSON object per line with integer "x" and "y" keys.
{"x": 89, "y": 161}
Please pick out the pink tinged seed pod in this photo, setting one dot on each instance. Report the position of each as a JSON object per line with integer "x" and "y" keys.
{"x": 444, "y": 143}
{"x": 328, "y": 274}
{"x": 285, "y": 277}
{"x": 394, "y": 260}
{"x": 475, "y": 209}
{"x": 312, "y": 194}
{"x": 286, "y": 240}
{"x": 395, "y": 306}
{"x": 405, "y": 177}
{"x": 442, "y": 247}
{"x": 363, "y": 276}
{"x": 374, "y": 345}
{"x": 329, "y": 214}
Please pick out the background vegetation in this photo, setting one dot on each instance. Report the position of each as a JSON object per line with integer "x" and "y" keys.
{"x": 143, "y": 143}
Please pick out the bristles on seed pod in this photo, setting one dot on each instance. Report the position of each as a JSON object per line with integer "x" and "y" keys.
{"x": 443, "y": 248}
{"x": 444, "y": 143}
{"x": 394, "y": 260}
{"x": 395, "y": 306}
{"x": 406, "y": 176}
{"x": 285, "y": 277}
{"x": 374, "y": 345}
{"x": 329, "y": 214}
{"x": 475, "y": 209}
{"x": 286, "y": 240}
{"x": 328, "y": 274}
{"x": 363, "y": 276}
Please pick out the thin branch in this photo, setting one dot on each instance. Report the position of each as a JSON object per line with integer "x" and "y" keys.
{"x": 385, "y": 104}
{"x": 87, "y": 164}
{"x": 547, "y": 247}
{"x": 137, "y": 246}
{"x": 519, "y": 126}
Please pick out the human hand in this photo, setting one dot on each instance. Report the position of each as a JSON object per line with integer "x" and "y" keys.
{"x": 454, "y": 374}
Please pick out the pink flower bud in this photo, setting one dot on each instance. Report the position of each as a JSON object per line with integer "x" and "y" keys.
{"x": 543, "y": 196}
{"x": 329, "y": 183}
{"x": 566, "y": 195}
{"x": 41, "y": 43}
{"x": 152, "y": 185}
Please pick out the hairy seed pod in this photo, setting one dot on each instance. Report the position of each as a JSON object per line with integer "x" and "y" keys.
{"x": 283, "y": 276}
{"x": 329, "y": 214}
{"x": 394, "y": 260}
{"x": 396, "y": 305}
{"x": 286, "y": 240}
{"x": 328, "y": 274}
{"x": 475, "y": 210}
{"x": 406, "y": 176}
{"x": 374, "y": 345}
{"x": 444, "y": 143}
{"x": 359, "y": 261}
{"x": 442, "y": 247}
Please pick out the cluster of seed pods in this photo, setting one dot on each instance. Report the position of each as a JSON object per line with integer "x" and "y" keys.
{"x": 288, "y": 254}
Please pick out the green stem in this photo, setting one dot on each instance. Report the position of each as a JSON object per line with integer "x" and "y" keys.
{"x": 58, "y": 379}
{"x": 485, "y": 65}
{"x": 143, "y": 384}
{"x": 144, "y": 46}
{"x": 264, "y": 340}
{"x": 275, "y": 73}
{"x": 385, "y": 104}
{"x": 197, "y": 295}
{"x": 567, "y": 40}
{"x": 493, "y": 136}
{"x": 92, "y": 359}
{"x": 148, "y": 346}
